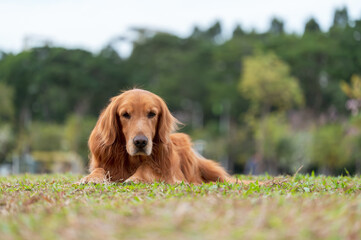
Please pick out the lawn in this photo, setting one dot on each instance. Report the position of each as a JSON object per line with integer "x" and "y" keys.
{"x": 299, "y": 207}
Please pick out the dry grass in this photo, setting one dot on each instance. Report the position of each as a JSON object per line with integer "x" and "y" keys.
{"x": 301, "y": 207}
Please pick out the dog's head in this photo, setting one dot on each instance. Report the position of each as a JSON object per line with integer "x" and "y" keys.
{"x": 137, "y": 117}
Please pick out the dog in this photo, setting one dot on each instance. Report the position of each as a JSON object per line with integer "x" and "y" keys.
{"x": 134, "y": 140}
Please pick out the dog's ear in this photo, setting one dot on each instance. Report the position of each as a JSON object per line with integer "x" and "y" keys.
{"x": 108, "y": 126}
{"x": 166, "y": 123}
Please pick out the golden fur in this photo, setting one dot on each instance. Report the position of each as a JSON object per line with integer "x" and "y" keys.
{"x": 168, "y": 157}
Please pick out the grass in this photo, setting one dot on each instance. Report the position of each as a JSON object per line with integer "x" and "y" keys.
{"x": 300, "y": 207}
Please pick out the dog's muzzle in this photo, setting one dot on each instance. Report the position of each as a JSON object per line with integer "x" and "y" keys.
{"x": 140, "y": 141}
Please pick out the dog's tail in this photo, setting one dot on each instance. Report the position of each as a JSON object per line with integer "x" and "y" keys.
{"x": 212, "y": 172}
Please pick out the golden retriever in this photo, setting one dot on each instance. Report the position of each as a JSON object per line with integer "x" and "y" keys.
{"x": 133, "y": 141}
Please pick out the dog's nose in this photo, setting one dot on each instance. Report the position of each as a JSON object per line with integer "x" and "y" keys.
{"x": 140, "y": 141}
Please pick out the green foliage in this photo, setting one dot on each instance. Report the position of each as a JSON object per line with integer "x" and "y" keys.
{"x": 272, "y": 139}
{"x": 355, "y": 121}
{"x": 267, "y": 83}
{"x": 296, "y": 151}
{"x": 312, "y": 26}
{"x": 7, "y": 110}
{"x": 7, "y": 141}
{"x": 46, "y": 137}
{"x": 76, "y": 134}
{"x": 352, "y": 90}
{"x": 330, "y": 148}
{"x": 50, "y": 83}
{"x": 71, "y": 137}
{"x": 270, "y": 133}
{"x": 6, "y": 103}
{"x": 276, "y": 26}
{"x": 340, "y": 18}
{"x": 354, "y": 141}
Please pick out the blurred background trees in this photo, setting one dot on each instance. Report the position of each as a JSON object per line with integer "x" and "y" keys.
{"x": 275, "y": 96}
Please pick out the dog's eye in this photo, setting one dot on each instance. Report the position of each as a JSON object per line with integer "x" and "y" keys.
{"x": 151, "y": 115}
{"x": 126, "y": 115}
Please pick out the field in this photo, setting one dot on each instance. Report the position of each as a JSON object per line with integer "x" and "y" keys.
{"x": 298, "y": 207}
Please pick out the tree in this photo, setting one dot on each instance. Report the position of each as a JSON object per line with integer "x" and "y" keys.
{"x": 267, "y": 83}
{"x": 76, "y": 133}
{"x": 312, "y": 26}
{"x": 6, "y": 121}
{"x": 353, "y": 91}
{"x": 49, "y": 83}
{"x": 270, "y": 133}
{"x": 7, "y": 105}
{"x": 330, "y": 150}
{"x": 340, "y": 18}
{"x": 276, "y": 27}
{"x": 212, "y": 34}
{"x": 238, "y": 32}
{"x": 214, "y": 31}
{"x": 314, "y": 59}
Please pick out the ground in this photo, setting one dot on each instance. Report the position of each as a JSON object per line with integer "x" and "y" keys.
{"x": 297, "y": 207}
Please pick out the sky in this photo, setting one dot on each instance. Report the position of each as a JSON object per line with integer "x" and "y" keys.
{"x": 92, "y": 24}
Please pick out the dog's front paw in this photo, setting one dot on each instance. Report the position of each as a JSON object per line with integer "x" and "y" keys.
{"x": 133, "y": 180}
{"x": 92, "y": 179}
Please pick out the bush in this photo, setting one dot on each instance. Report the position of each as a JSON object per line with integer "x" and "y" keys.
{"x": 6, "y": 141}
{"x": 76, "y": 134}
{"x": 272, "y": 135}
{"x": 46, "y": 137}
{"x": 330, "y": 150}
